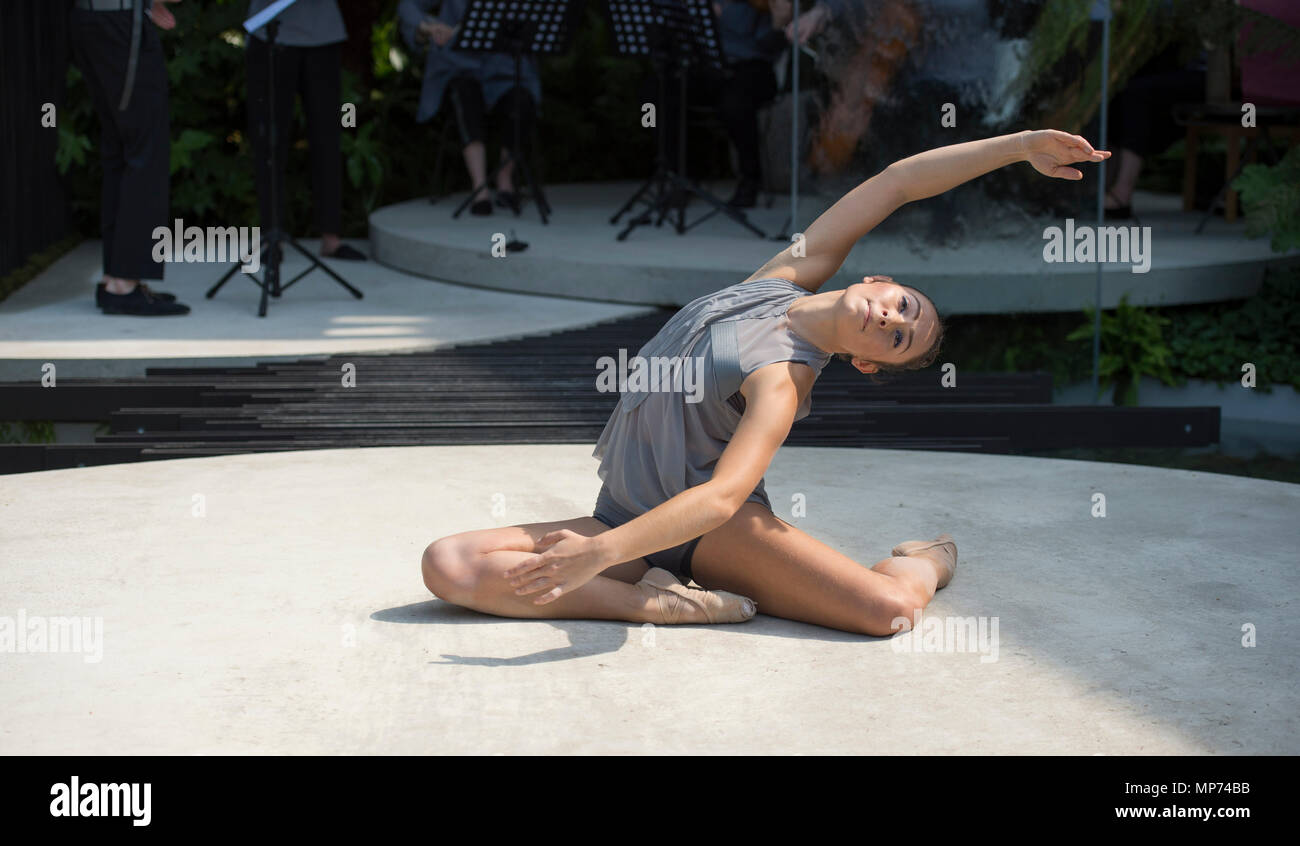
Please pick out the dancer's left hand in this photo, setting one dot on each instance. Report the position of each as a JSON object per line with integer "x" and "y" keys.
{"x": 569, "y": 561}
{"x": 1050, "y": 151}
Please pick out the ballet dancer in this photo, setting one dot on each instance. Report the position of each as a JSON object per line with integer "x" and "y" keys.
{"x": 683, "y": 497}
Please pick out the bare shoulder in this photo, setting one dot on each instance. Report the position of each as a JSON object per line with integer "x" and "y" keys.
{"x": 777, "y": 382}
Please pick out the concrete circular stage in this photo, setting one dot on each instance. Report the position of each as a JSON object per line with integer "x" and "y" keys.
{"x": 576, "y": 255}
{"x": 273, "y": 604}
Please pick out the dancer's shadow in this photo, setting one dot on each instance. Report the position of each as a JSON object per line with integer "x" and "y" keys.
{"x": 586, "y": 637}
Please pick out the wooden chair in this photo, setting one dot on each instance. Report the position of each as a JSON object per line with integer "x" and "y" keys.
{"x": 1268, "y": 83}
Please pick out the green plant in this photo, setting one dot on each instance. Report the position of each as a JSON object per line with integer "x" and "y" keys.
{"x": 1270, "y": 196}
{"x": 27, "y": 432}
{"x": 1214, "y": 341}
{"x": 1132, "y": 346}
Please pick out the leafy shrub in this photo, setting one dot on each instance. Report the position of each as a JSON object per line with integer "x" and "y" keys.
{"x": 1213, "y": 341}
{"x": 1132, "y": 346}
{"x": 1270, "y": 197}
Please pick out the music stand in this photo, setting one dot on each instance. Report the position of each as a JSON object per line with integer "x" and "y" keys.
{"x": 673, "y": 33}
{"x": 270, "y": 284}
{"x": 516, "y": 27}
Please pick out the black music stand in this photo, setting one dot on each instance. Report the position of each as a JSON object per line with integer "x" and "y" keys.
{"x": 270, "y": 284}
{"x": 516, "y": 27}
{"x": 674, "y": 34}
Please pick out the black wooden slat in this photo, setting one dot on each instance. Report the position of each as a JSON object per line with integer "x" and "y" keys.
{"x": 536, "y": 390}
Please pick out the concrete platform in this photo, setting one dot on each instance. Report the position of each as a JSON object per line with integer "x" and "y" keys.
{"x": 290, "y": 616}
{"x": 54, "y": 318}
{"x": 576, "y": 255}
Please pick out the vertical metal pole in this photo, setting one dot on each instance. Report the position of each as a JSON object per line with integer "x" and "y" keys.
{"x": 794, "y": 124}
{"x": 1102, "y": 8}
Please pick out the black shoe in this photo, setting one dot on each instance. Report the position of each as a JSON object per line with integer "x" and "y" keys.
{"x": 1124, "y": 212}
{"x": 746, "y": 194}
{"x": 481, "y": 208}
{"x": 346, "y": 252}
{"x": 140, "y": 302}
{"x": 157, "y": 295}
{"x": 508, "y": 200}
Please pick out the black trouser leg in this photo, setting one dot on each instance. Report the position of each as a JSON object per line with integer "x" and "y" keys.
{"x": 466, "y": 96}
{"x": 321, "y": 90}
{"x": 503, "y": 119}
{"x": 135, "y": 144}
{"x": 288, "y": 61}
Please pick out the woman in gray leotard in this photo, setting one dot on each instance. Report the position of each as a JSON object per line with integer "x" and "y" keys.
{"x": 684, "y": 452}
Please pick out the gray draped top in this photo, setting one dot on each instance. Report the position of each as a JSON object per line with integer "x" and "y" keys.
{"x": 658, "y": 442}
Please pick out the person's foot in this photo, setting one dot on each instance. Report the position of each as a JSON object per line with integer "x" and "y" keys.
{"x": 942, "y": 550}
{"x": 745, "y": 195}
{"x": 1114, "y": 209}
{"x": 160, "y": 295}
{"x": 346, "y": 252}
{"x": 140, "y": 302}
{"x": 508, "y": 199}
{"x": 482, "y": 205}
{"x": 679, "y": 604}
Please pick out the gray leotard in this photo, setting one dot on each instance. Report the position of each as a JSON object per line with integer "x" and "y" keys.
{"x": 656, "y": 443}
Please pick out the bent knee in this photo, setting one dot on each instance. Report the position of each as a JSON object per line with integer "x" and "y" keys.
{"x": 446, "y": 569}
{"x": 893, "y": 613}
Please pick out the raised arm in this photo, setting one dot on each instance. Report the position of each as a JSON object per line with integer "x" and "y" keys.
{"x": 827, "y": 242}
{"x": 772, "y": 399}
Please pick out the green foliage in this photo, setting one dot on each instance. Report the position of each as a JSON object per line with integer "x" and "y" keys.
{"x": 1207, "y": 341}
{"x": 27, "y": 432}
{"x": 1061, "y": 73}
{"x": 1270, "y": 197}
{"x": 1062, "y": 69}
{"x": 1132, "y": 346}
{"x": 362, "y": 159}
{"x": 1213, "y": 341}
{"x": 1016, "y": 343}
{"x": 72, "y": 149}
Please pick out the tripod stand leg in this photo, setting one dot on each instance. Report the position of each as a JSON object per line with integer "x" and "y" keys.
{"x": 632, "y": 201}
{"x": 212, "y": 292}
{"x": 270, "y": 278}
{"x": 320, "y": 264}
{"x": 543, "y": 207}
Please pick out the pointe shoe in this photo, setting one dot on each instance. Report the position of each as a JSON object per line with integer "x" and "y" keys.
{"x": 718, "y": 606}
{"x": 942, "y": 549}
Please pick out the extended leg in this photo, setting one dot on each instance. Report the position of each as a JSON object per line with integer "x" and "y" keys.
{"x": 792, "y": 575}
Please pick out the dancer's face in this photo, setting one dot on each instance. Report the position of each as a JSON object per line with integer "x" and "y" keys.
{"x": 881, "y": 321}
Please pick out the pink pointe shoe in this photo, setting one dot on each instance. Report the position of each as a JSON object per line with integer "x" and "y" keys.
{"x": 718, "y": 606}
{"x": 942, "y": 549}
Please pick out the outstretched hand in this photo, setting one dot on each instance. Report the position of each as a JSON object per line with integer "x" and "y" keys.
{"x": 1051, "y": 151}
{"x": 569, "y": 561}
